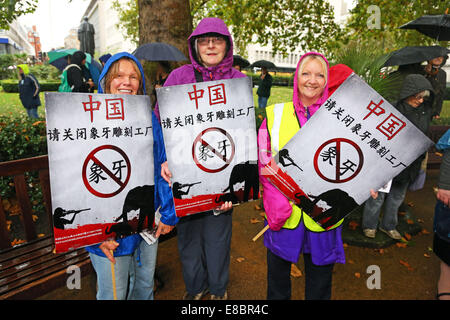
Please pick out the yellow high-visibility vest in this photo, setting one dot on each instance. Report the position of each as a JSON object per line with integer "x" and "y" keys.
{"x": 283, "y": 124}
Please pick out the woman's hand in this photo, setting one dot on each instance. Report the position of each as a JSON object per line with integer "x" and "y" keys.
{"x": 373, "y": 194}
{"x": 165, "y": 173}
{"x": 227, "y": 205}
{"x": 163, "y": 229}
{"x": 108, "y": 247}
{"x": 444, "y": 196}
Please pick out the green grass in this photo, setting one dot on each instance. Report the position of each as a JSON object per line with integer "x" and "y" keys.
{"x": 10, "y": 105}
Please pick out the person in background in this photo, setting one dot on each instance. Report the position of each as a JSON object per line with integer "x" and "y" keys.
{"x": 441, "y": 221}
{"x": 415, "y": 101}
{"x": 134, "y": 260}
{"x": 438, "y": 78}
{"x": 263, "y": 91}
{"x": 29, "y": 91}
{"x": 204, "y": 239}
{"x": 76, "y": 74}
{"x": 104, "y": 58}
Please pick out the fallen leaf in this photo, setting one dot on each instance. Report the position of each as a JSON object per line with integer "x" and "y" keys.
{"x": 255, "y": 220}
{"x": 257, "y": 207}
{"x": 426, "y": 255}
{"x": 425, "y": 231}
{"x": 352, "y": 225}
{"x": 35, "y": 217}
{"x": 262, "y": 214}
{"x": 295, "y": 272}
{"x": 439, "y": 154}
{"x": 357, "y": 275}
{"x": 345, "y": 245}
{"x": 40, "y": 235}
{"x": 406, "y": 264}
{"x": 351, "y": 261}
{"x": 409, "y": 221}
{"x": 411, "y": 204}
{"x": 407, "y": 236}
{"x": 420, "y": 220}
{"x": 401, "y": 244}
{"x": 402, "y": 213}
{"x": 240, "y": 259}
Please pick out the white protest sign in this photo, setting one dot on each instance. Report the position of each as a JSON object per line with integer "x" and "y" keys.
{"x": 100, "y": 150}
{"x": 210, "y": 138}
{"x": 355, "y": 142}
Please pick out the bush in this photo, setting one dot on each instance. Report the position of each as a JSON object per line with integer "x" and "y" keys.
{"x": 447, "y": 93}
{"x": 12, "y": 85}
{"x": 21, "y": 137}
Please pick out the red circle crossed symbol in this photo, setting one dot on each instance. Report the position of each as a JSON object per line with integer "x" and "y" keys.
{"x": 338, "y": 144}
{"x": 208, "y": 148}
{"x": 92, "y": 157}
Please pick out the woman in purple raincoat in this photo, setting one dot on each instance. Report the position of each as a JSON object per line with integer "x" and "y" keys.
{"x": 321, "y": 250}
{"x": 204, "y": 239}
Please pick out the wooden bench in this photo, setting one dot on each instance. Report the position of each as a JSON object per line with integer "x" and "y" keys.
{"x": 434, "y": 156}
{"x": 30, "y": 270}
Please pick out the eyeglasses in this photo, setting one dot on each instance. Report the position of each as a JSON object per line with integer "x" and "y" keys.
{"x": 419, "y": 96}
{"x": 204, "y": 41}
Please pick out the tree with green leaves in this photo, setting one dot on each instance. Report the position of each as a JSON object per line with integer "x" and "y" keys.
{"x": 12, "y": 9}
{"x": 378, "y": 21}
{"x": 285, "y": 24}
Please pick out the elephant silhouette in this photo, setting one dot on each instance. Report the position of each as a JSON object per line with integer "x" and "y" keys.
{"x": 243, "y": 172}
{"x": 142, "y": 198}
{"x": 122, "y": 229}
{"x": 340, "y": 202}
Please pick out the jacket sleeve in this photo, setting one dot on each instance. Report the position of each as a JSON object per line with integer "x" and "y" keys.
{"x": 444, "y": 173}
{"x": 277, "y": 206}
{"x": 163, "y": 192}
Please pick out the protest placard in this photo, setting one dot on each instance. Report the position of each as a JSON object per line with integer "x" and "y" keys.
{"x": 100, "y": 150}
{"x": 209, "y": 133}
{"x": 355, "y": 142}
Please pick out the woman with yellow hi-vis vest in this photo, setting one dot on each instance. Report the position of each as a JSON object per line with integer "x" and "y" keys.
{"x": 292, "y": 232}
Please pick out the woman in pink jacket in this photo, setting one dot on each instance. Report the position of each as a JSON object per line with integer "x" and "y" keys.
{"x": 321, "y": 250}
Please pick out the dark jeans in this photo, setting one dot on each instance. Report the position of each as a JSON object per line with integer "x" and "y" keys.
{"x": 317, "y": 279}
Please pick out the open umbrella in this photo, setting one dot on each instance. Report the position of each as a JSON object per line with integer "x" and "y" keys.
{"x": 239, "y": 61}
{"x": 58, "y": 58}
{"x": 434, "y": 26}
{"x": 159, "y": 51}
{"x": 415, "y": 54}
{"x": 263, "y": 64}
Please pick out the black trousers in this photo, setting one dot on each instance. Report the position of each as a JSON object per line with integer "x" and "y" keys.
{"x": 317, "y": 279}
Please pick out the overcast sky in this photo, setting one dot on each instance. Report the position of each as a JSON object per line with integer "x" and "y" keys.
{"x": 54, "y": 19}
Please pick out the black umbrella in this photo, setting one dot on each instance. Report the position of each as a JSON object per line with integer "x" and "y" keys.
{"x": 415, "y": 54}
{"x": 263, "y": 64}
{"x": 239, "y": 61}
{"x": 158, "y": 51}
{"x": 434, "y": 26}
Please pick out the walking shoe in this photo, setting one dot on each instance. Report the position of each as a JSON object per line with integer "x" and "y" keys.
{"x": 370, "y": 233}
{"x": 198, "y": 296}
{"x": 394, "y": 234}
{"x": 224, "y": 297}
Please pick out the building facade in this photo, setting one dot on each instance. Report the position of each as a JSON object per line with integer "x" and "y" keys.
{"x": 15, "y": 40}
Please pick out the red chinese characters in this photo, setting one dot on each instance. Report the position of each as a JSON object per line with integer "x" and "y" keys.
{"x": 391, "y": 125}
{"x": 114, "y": 109}
{"x": 216, "y": 94}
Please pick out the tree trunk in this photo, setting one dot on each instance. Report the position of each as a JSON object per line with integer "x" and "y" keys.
{"x": 168, "y": 21}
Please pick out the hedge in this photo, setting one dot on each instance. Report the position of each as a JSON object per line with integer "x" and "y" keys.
{"x": 12, "y": 86}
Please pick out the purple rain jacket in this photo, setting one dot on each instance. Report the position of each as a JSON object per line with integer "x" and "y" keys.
{"x": 224, "y": 70}
{"x": 324, "y": 247}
